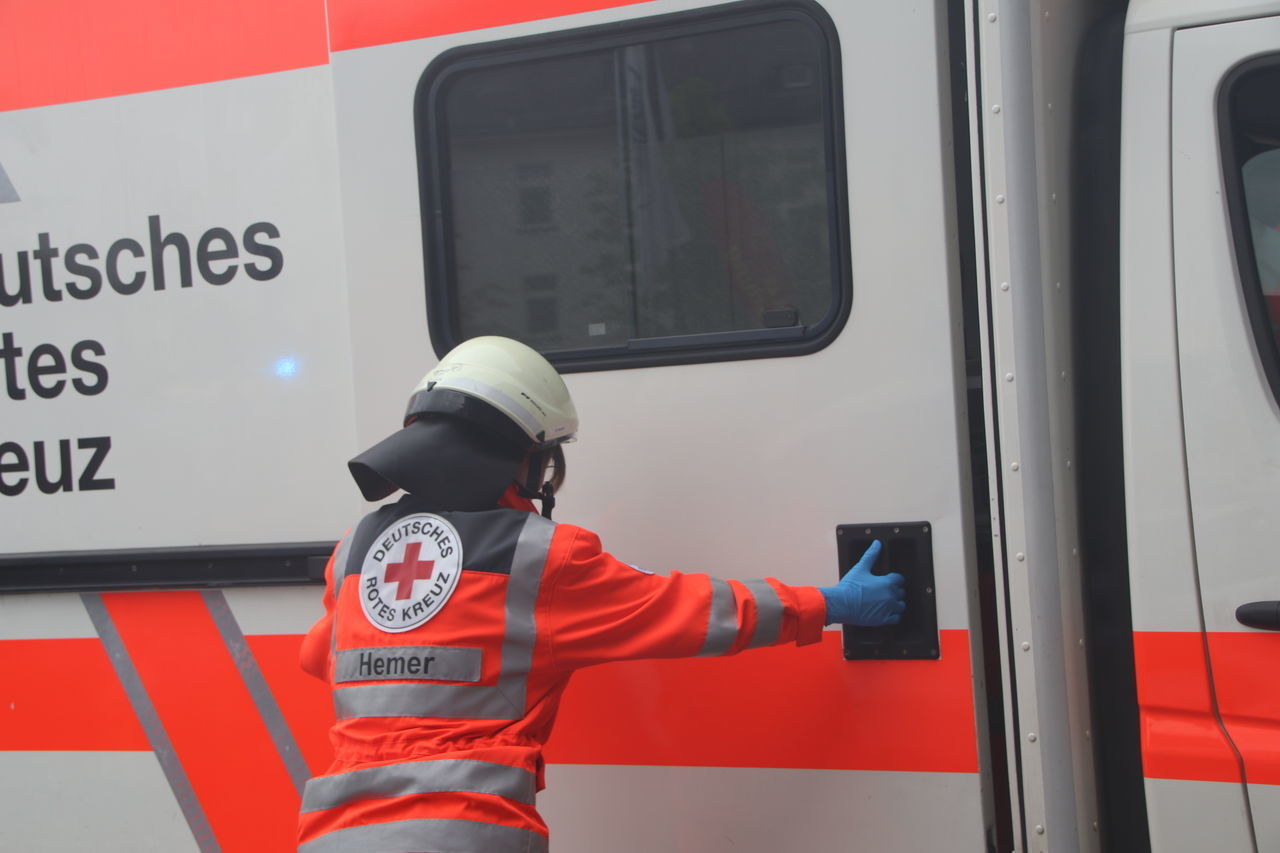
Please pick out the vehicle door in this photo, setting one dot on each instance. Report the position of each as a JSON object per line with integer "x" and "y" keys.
{"x": 1226, "y": 202}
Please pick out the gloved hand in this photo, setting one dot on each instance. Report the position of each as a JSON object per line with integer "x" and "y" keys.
{"x": 864, "y": 599}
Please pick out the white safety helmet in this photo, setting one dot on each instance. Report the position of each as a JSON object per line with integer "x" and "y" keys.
{"x": 509, "y": 376}
{"x": 469, "y": 424}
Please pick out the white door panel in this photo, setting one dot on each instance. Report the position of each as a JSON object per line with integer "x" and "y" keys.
{"x": 738, "y": 468}
{"x": 736, "y": 810}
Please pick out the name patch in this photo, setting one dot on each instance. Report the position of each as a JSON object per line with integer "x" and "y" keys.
{"x": 409, "y": 663}
{"x": 410, "y": 572}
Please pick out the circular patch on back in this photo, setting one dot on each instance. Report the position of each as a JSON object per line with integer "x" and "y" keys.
{"x": 410, "y": 572}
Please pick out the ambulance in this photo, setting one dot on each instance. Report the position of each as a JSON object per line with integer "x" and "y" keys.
{"x": 994, "y": 282}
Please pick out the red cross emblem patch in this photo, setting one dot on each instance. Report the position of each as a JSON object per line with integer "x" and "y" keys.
{"x": 410, "y": 572}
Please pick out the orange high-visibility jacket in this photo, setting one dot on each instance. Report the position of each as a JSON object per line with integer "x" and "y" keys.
{"x": 448, "y": 639}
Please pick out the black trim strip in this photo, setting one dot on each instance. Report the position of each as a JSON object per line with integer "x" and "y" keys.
{"x": 1104, "y": 562}
{"x": 215, "y": 565}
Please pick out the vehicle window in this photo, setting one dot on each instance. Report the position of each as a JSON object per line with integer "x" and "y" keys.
{"x": 617, "y": 197}
{"x": 1251, "y": 130}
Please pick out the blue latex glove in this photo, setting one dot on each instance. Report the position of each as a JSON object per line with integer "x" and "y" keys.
{"x": 864, "y": 599}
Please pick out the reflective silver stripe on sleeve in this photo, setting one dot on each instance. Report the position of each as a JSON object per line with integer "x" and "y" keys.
{"x": 768, "y": 614}
{"x": 337, "y": 581}
{"x": 420, "y": 777}
{"x": 440, "y": 836}
{"x": 722, "y": 624}
{"x": 408, "y": 663}
{"x": 502, "y": 701}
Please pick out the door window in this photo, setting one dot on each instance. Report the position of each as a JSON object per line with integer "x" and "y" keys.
{"x": 671, "y": 192}
{"x": 1250, "y": 120}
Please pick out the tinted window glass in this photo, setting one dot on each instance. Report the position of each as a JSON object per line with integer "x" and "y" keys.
{"x": 1252, "y": 146}
{"x": 652, "y": 195}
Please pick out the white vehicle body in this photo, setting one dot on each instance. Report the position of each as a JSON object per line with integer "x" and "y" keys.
{"x": 220, "y": 250}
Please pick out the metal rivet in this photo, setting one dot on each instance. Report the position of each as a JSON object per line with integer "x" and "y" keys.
{"x": 1063, "y": 376}
{"x": 1053, "y": 197}
{"x": 1021, "y": 556}
{"x": 1032, "y": 737}
{"x": 928, "y": 590}
{"x": 995, "y": 108}
{"x": 1004, "y": 285}
{"x": 1051, "y": 106}
{"x": 1039, "y": 829}
{"x": 1095, "y": 826}
{"x": 999, "y": 199}
{"x": 1008, "y": 377}
{"x": 897, "y": 530}
{"x": 924, "y": 530}
{"x": 866, "y": 530}
{"x": 1068, "y": 463}
{"x": 1026, "y": 647}
{"x": 991, "y": 19}
{"x": 1088, "y": 734}
{"x": 1015, "y": 466}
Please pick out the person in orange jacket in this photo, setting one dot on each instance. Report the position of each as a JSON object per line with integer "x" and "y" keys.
{"x": 455, "y": 616}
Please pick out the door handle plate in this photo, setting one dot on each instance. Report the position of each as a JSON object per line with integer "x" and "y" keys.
{"x": 907, "y": 550}
{"x": 1260, "y": 614}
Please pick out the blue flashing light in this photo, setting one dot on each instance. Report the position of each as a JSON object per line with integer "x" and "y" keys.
{"x": 287, "y": 368}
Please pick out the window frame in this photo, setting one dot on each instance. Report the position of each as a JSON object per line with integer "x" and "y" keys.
{"x": 434, "y": 190}
{"x": 1265, "y": 340}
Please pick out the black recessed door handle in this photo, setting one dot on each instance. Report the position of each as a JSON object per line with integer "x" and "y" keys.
{"x": 1260, "y": 614}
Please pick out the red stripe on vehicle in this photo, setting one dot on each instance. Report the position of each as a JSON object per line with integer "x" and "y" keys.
{"x": 56, "y": 51}
{"x": 63, "y": 694}
{"x": 220, "y": 739}
{"x": 364, "y": 23}
{"x": 774, "y": 707}
{"x": 1244, "y": 678}
{"x": 304, "y": 701}
{"x": 1181, "y": 737}
{"x": 781, "y": 706}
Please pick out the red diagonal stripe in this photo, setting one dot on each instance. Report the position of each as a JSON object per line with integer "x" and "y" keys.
{"x": 215, "y": 728}
{"x": 304, "y": 701}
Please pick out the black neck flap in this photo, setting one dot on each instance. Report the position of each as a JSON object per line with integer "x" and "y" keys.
{"x": 445, "y": 462}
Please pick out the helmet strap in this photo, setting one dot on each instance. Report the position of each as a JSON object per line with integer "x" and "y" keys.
{"x": 530, "y": 488}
